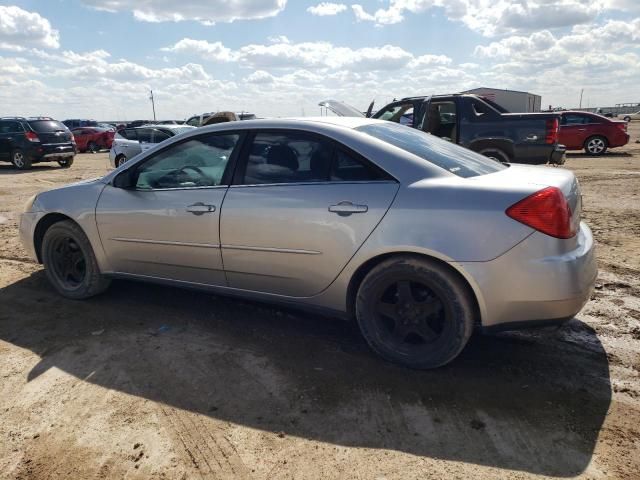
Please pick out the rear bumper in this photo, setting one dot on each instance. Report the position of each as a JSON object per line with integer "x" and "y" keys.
{"x": 527, "y": 286}
{"x": 48, "y": 152}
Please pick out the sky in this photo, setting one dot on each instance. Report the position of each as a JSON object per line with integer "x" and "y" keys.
{"x": 100, "y": 58}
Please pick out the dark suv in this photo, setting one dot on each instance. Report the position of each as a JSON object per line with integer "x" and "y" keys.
{"x": 24, "y": 141}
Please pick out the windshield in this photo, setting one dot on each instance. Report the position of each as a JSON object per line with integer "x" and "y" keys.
{"x": 43, "y": 126}
{"x": 452, "y": 158}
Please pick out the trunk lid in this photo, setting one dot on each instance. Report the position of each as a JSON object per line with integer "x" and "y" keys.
{"x": 530, "y": 179}
{"x": 341, "y": 109}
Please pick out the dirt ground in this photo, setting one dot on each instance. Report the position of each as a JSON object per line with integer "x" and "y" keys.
{"x": 152, "y": 382}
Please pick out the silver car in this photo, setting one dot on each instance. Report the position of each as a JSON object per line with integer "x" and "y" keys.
{"x": 129, "y": 142}
{"x": 417, "y": 239}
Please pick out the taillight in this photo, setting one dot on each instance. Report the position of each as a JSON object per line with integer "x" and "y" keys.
{"x": 31, "y": 136}
{"x": 547, "y": 211}
{"x": 552, "y": 126}
{"x": 622, "y": 126}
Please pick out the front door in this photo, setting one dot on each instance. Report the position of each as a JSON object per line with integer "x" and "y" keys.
{"x": 299, "y": 209}
{"x": 167, "y": 226}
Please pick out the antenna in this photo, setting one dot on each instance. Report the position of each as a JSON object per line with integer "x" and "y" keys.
{"x": 153, "y": 105}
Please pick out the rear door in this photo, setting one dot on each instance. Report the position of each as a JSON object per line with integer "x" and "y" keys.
{"x": 11, "y": 134}
{"x": 573, "y": 130}
{"x": 300, "y": 207}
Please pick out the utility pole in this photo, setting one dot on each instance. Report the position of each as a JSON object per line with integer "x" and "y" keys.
{"x": 581, "y": 92}
{"x": 153, "y": 105}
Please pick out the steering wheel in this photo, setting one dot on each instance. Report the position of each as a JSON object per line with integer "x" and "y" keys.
{"x": 171, "y": 179}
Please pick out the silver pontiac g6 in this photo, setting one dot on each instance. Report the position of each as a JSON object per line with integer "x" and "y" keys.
{"x": 417, "y": 239}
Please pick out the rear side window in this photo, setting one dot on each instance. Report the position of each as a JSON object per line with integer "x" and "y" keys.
{"x": 160, "y": 136}
{"x": 144, "y": 135}
{"x": 44, "y": 126}
{"x": 10, "y": 127}
{"x": 446, "y": 155}
{"x": 347, "y": 168}
{"x": 574, "y": 119}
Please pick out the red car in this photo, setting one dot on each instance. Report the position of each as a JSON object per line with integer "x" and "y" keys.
{"x": 591, "y": 132}
{"x": 93, "y": 139}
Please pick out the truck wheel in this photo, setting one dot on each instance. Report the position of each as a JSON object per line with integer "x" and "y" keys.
{"x": 596, "y": 145}
{"x": 69, "y": 262}
{"x": 66, "y": 162}
{"x": 414, "y": 312}
{"x": 496, "y": 154}
{"x": 20, "y": 160}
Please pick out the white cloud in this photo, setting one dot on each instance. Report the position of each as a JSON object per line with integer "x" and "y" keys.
{"x": 210, "y": 51}
{"x": 204, "y": 11}
{"x": 20, "y": 29}
{"x": 492, "y": 17}
{"x": 324, "y": 9}
{"x": 284, "y": 54}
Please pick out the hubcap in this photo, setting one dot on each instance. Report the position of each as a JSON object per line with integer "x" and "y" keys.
{"x": 409, "y": 314}
{"x": 18, "y": 159}
{"x": 68, "y": 263}
{"x": 596, "y": 145}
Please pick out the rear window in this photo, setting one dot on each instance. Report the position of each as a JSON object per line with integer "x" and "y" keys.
{"x": 453, "y": 158}
{"x": 44, "y": 126}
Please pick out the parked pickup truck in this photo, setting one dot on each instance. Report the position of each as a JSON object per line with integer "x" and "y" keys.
{"x": 476, "y": 123}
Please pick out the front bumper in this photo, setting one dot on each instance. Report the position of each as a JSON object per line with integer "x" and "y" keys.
{"x": 527, "y": 286}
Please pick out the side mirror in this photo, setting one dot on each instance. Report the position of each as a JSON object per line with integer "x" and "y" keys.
{"x": 125, "y": 180}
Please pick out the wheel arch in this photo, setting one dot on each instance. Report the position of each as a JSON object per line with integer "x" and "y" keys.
{"x": 41, "y": 228}
{"x": 362, "y": 271}
{"x": 503, "y": 144}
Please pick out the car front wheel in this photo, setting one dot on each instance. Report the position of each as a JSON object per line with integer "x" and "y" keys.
{"x": 120, "y": 160}
{"x": 596, "y": 145}
{"x": 415, "y": 312}
{"x": 70, "y": 263}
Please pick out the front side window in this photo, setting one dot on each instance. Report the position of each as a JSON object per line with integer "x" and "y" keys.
{"x": 446, "y": 155}
{"x": 194, "y": 121}
{"x": 159, "y": 136}
{"x": 144, "y": 135}
{"x": 400, "y": 113}
{"x": 199, "y": 162}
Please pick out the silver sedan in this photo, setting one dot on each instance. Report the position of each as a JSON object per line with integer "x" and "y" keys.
{"x": 417, "y": 239}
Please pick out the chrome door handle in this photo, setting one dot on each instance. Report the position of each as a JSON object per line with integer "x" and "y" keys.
{"x": 201, "y": 208}
{"x": 345, "y": 209}
{"x": 531, "y": 138}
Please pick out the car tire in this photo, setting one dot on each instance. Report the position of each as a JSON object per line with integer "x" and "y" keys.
{"x": 120, "y": 160}
{"x": 70, "y": 263}
{"x": 627, "y": 119}
{"x": 496, "y": 154}
{"x": 66, "y": 162}
{"x": 415, "y": 312}
{"x": 93, "y": 147}
{"x": 20, "y": 160}
{"x": 596, "y": 145}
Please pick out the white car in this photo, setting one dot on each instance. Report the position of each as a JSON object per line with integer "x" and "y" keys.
{"x": 627, "y": 117}
{"x": 129, "y": 142}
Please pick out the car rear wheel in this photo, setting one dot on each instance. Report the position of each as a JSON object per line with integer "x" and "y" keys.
{"x": 120, "y": 160}
{"x": 70, "y": 263}
{"x": 414, "y": 312}
{"x": 627, "y": 119}
{"x": 20, "y": 160}
{"x": 66, "y": 162}
{"x": 93, "y": 147}
{"x": 596, "y": 145}
{"x": 496, "y": 154}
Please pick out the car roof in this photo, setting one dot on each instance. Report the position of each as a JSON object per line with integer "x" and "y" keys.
{"x": 166, "y": 126}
